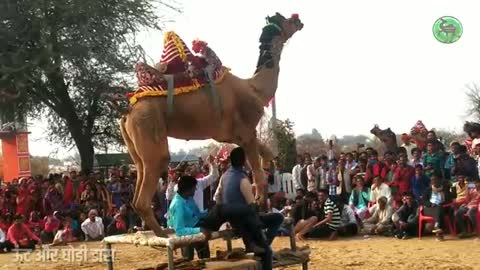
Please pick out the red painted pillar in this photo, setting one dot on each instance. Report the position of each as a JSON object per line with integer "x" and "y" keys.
{"x": 16, "y": 157}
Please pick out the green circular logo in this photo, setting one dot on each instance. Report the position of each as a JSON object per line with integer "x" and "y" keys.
{"x": 447, "y": 29}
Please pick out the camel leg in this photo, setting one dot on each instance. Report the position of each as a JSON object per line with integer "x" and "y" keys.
{"x": 155, "y": 165}
{"x": 264, "y": 152}
{"x": 253, "y": 156}
{"x": 136, "y": 160}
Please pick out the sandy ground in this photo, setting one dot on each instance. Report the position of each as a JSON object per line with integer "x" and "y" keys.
{"x": 355, "y": 253}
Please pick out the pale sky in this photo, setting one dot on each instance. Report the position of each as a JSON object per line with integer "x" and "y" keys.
{"x": 354, "y": 64}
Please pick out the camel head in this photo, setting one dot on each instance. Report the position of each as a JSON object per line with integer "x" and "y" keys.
{"x": 278, "y": 25}
{"x": 384, "y": 135}
{"x": 472, "y": 129}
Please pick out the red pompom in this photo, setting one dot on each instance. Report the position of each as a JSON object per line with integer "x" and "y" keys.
{"x": 295, "y": 16}
{"x": 198, "y": 45}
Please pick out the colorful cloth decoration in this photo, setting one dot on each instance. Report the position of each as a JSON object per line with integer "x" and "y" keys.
{"x": 419, "y": 134}
{"x": 186, "y": 68}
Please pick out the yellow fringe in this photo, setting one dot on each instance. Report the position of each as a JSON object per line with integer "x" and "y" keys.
{"x": 149, "y": 91}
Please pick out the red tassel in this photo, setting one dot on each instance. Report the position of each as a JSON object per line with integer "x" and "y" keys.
{"x": 295, "y": 16}
{"x": 269, "y": 102}
{"x": 198, "y": 45}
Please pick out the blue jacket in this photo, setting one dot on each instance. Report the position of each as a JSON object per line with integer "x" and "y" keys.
{"x": 184, "y": 216}
{"x": 419, "y": 186}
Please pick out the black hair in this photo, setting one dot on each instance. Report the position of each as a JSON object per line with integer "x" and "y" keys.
{"x": 374, "y": 152}
{"x": 186, "y": 183}
{"x": 311, "y": 194}
{"x": 462, "y": 149}
{"x": 415, "y": 149}
{"x": 407, "y": 194}
{"x": 419, "y": 166}
{"x": 323, "y": 190}
{"x": 237, "y": 157}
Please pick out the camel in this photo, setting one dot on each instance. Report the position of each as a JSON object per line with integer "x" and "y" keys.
{"x": 146, "y": 125}
{"x": 387, "y": 136}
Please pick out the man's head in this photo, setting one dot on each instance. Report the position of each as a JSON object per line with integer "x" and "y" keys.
{"x": 460, "y": 177}
{"x": 382, "y": 202}
{"x": 402, "y": 161}
{"x": 186, "y": 186}
{"x": 341, "y": 163}
{"x": 307, "y": 158}
{"x": 436, "y": 179}
{"x": 405, "y": 138}
{"x": 388, "y": 156}
{"x": 431, "y": 135}
{"x": 300, "y": 159}
{"x": 238, "y": 157}
{"x": 92, "y": 215}
{"x": 349, "y": 157}
{"x": 322, "y": 195}
{"x": 318, "y": 162}
{"x": 18, "y": 220}
{"x": 418, "y": 170}
{"x": 359, "y": 181}
{"x": 416, "y": 153}
{"x": 300, "y": 192}
{"x": 454, "y": 147}
{"x": 377, "y": 180}
{"x": 407, "y": 198}
{"x": 310, "y": 196}
{"x": 430, "y": 147}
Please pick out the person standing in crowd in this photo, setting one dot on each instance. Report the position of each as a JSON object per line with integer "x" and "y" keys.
{"x": 434, "y": 157}
{"x": 419, "y": 182}
{"x": 344, "y": 187}
{"x": 416, "y": 157}
{"x": 296, "y": 173}
{"x": 408, "y": 145}
{"x": 312, "y": 174}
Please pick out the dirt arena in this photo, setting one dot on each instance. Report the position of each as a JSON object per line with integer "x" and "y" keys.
{"x": 355, "y": 253}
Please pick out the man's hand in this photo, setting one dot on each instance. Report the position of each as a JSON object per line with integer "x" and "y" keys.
{"x": 16, "y": 246}
{"x": 207, "y": 233}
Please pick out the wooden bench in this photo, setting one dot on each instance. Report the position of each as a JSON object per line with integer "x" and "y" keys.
{"x": 148, "y": 238}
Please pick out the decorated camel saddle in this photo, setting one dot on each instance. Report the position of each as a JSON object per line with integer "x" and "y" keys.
{"x": 179, "y": 70}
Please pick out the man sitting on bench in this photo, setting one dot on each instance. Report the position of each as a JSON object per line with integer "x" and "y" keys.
{"x": 187, "y": 219}
{"x": 235, "y": 190}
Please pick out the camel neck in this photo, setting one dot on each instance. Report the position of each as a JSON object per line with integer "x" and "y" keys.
{"x": 265, "y": 79}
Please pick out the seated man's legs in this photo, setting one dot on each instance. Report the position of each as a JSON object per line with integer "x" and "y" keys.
{"x": 472, "y": 214}
{"x": 202, "y": 248}
{"x": 437, "y": 213}
{"x": 322, "y": 231}
{"x": 459, "y": 216}
{"x": 349, "y": 229}
{"x": 307, "y": 226}
{"x": 271, "y": 222}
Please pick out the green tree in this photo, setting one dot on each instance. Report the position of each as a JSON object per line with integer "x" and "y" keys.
{"x": 287, "y": 148}
{"x": 62, "y": 55}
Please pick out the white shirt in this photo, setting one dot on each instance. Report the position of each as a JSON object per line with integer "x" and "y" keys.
{"x": 93, "y": 229}
{"x": 2, "y": 236}
{"x": 382, "y": 190}
{"x": 203, "y": 183}
{"x": 409, "y": 149}
{"x": 348, "y": 216}
{"x": 277, "y": 185}
{"x": 296, "y": 172}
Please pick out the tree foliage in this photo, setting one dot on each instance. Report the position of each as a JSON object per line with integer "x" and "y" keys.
{"x": 312, "y": 143}
{"x": 286, "y": 143}
{"x": 62, "y": 55}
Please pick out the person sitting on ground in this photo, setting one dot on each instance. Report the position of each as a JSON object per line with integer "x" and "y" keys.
{"x": 93, "y": 227}
{"x": 470, "y": 208}
{"x": 51, "y": 225}
{"x": 459, "y": 189}
{"x": 119, "y": 224}
{"x": 381, "y": 220}
{"x": 303, "y": 209}
{"x": 420, "y": 182}
{"x": 433, "y": 200}
{"x": 349, "y": 225}
{"x": 65, "y": 234}
{"x": 328, "y": 226}
{"x": 21, "y": 236}
{"x": 359, "y": 198}
{"x": 4, "y": 244}
{"x": 405, "y": 218}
